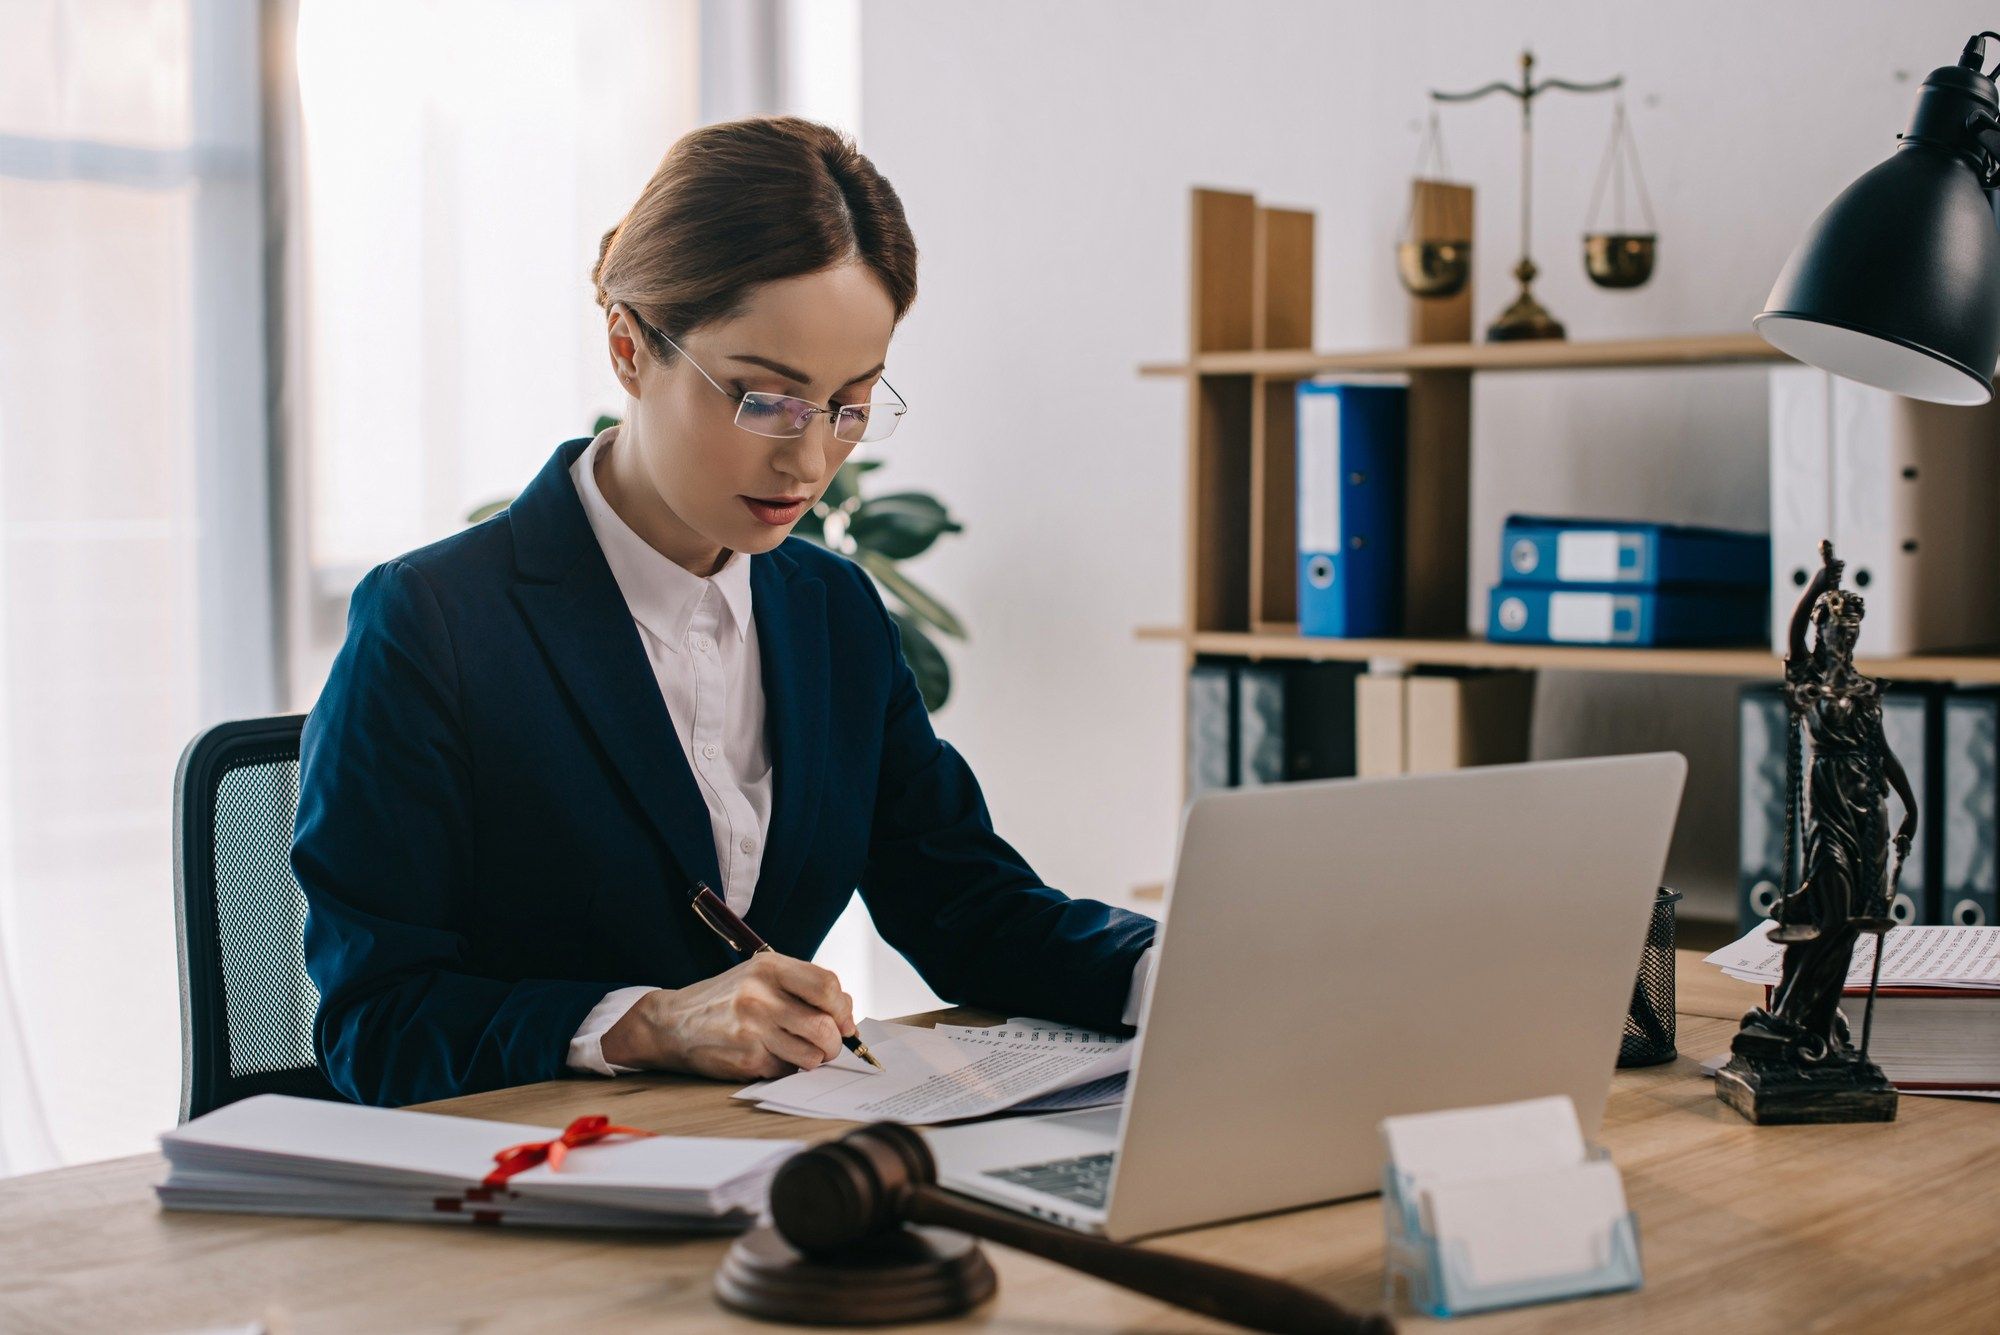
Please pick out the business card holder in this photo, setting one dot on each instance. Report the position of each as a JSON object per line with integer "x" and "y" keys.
{"x": 1438, "y": 1281}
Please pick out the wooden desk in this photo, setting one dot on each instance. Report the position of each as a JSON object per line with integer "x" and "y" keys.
{"x": 1788, "y": 1228}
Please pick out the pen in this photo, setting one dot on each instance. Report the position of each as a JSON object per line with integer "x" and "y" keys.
{"x": 708, "y": 906}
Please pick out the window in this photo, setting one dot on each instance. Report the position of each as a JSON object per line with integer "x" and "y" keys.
{"x": 134, "y": 560}
{"x": 461, "y": 161}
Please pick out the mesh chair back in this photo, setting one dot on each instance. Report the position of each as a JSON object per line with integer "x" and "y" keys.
{"x": 247, "y": 1004}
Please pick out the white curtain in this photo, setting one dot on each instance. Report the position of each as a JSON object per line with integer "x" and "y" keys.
{"x": 135, "y": 579}
{"x": 458, "y": 161}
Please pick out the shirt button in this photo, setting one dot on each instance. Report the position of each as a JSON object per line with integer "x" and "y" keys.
{"x": 709, "y": 750}
{"x": 747, "y": 845}
{"x": 706, "y": 644}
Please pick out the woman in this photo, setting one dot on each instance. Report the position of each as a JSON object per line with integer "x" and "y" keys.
{"x": 543, "y": 731}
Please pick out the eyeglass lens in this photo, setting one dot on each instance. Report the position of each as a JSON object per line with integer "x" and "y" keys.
{"x": 783, "y": 415}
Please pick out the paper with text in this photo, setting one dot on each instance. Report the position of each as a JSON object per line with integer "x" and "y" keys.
{"x": 932, "y": 1076}
{"x": 1915, "y": 957}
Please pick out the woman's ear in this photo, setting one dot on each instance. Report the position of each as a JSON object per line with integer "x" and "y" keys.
{"x": 626, "y": 346}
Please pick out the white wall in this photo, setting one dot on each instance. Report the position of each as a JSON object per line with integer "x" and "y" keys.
{"x": 1044, "y": 151}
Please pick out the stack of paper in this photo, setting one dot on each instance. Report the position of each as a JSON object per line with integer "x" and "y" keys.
{"x": 954, "y": 1072}
{"x": 1966, "y": 957}
{"x": 275, "y": 1154}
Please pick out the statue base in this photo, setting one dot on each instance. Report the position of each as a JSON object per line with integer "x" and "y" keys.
{"x": 1765, "y": 1081}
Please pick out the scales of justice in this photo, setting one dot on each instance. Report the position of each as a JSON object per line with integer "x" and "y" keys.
{"x": 1438, "y": 263}
{"x": 1794, "y": 1059}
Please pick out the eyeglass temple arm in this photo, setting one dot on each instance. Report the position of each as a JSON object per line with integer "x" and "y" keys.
{"x": 901, "y": 402}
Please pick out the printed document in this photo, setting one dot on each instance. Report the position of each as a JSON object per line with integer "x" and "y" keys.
{"x": 1915, "y": 957}
{"x": 955, "y": 1072}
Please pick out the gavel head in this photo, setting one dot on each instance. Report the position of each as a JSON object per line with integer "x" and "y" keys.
{"x": 846, "y": 1191}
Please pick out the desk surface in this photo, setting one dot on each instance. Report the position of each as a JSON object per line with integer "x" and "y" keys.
{"x": 1787, "y": 1228}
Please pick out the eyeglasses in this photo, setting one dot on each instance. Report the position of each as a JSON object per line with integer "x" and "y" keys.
{"x": 783, "y": 416}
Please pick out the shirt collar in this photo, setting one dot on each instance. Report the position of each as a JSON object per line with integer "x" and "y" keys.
{"x": 661, "y": 593}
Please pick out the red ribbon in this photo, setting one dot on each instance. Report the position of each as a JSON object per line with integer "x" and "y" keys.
{"x": 519, "y": 1158}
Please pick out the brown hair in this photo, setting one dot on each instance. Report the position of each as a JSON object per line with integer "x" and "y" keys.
{"x": 744, "y": 202}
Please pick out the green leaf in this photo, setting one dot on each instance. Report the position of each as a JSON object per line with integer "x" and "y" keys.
{"x": 846, "y": 484}
{"x": 909, "y": 594}
{"x": 603, "y": 421}
{"x": 488, "y": 510}
{"x": 901, "y": 525}
{"x": 927, "y": 662}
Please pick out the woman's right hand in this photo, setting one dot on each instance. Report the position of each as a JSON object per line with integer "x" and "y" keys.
{"x": 765, "y": 1017}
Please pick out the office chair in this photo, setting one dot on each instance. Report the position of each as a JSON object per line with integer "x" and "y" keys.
{"x": 247, "y": 1004}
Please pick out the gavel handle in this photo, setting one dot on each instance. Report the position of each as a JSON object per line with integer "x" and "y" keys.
{"x": 1254, "y": 1301}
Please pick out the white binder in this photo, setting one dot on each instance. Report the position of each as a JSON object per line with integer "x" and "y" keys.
{"x": 1909, "y": 492}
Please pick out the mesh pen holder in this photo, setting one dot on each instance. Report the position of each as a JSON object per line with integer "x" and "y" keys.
{"x": 1649, "y": 1024}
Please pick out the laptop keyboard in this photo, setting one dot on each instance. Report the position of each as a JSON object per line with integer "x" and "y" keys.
{"x": 1085, "y": 1179}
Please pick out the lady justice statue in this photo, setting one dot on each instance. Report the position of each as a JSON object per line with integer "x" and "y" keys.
{"x": 1793, "y": 1060}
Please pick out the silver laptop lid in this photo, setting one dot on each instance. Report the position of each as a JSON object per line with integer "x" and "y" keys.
{"x": 1338, "y": 951}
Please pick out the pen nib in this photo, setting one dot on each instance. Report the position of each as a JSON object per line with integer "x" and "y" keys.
{"x": 861, "y": 1051}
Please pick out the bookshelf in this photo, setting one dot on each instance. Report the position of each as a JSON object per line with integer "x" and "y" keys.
{"x": 1551, "y": 355}
{"x": 1250, "y": 326}
{"x": 1464, "y": 651}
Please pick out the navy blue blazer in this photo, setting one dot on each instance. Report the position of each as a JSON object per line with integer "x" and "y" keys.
{"x": 497, "y": 824}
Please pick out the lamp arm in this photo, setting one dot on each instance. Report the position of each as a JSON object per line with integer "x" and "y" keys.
{"x": 1985, "y": 131}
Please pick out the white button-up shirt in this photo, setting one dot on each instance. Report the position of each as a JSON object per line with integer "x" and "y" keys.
{"x": 702, "y": 643}
{"x": 701, "y": 639}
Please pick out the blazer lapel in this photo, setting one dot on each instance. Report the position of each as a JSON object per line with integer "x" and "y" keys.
{"x": 790, "y": 610}
{"x": 572, "y": 605}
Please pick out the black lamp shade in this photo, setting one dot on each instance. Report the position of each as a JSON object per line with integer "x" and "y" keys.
{"x": 1898, "y": 283}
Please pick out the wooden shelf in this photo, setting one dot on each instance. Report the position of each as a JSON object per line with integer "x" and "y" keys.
{"x": 1545, "y": 355}
{"x": 1970, "y": 667}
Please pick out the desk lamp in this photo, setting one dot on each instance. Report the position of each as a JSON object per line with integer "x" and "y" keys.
{"x": 1897, "y": 284}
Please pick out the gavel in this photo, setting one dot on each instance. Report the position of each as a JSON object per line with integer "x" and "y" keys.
{"x": 844, "y": 1195}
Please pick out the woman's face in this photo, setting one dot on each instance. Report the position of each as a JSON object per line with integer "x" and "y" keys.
{"x": 700, "y": 483}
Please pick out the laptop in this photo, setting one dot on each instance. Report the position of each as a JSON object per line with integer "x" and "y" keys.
{"x": 1334, "y": 952}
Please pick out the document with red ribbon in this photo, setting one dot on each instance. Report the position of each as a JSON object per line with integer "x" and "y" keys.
{"x": 275, "y": 1154}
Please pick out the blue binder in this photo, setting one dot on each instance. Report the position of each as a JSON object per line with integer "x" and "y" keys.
{"x": 1609, "y": 614}
{"x": 1536, "y": 550}
{"x": 1350, "y": 505}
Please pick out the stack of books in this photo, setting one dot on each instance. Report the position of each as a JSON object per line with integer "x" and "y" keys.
{"x": 1937, "y": 1009}
{"x": 1599, "y": 581}
{"x": 1935, "y": 1039}
{"x": 275, "y": 1154}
